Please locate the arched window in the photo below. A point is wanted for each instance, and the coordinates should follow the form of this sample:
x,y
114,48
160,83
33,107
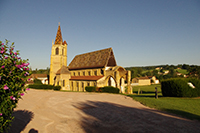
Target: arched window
x,y
57,51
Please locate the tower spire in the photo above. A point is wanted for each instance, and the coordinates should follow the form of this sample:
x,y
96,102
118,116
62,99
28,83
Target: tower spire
x,y
58,39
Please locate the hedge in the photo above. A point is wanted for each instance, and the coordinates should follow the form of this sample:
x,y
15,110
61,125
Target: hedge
x,y
44,86
109,89
90,88
179,87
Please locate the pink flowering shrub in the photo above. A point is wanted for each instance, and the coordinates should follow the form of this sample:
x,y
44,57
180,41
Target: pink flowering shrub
x,y
13,75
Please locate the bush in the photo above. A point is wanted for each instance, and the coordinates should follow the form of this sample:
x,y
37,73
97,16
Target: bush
x,y
37,81
110,89
90,88
180,88
57,88
13,74
44,86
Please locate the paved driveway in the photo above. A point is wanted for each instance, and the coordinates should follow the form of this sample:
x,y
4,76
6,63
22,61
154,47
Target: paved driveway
x,y
76,112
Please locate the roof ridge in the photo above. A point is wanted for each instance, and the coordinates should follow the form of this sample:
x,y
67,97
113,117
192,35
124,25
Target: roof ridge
x,y
94,51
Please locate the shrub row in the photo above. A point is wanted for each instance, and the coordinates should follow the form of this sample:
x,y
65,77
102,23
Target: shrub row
x,y
108,89
44,86
180,88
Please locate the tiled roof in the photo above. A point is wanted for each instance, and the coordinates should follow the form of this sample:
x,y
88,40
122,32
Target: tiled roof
x,y
96,59
58,39
88,78
63,70
38,76
143,78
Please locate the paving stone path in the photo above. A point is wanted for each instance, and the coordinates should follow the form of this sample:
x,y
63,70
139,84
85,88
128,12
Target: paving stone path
x,y
75,112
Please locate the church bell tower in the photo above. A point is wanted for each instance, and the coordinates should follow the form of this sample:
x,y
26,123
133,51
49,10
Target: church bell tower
x,y
58,55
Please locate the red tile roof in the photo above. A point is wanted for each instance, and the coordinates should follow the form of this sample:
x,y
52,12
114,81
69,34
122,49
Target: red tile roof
x,y
93,78
96,59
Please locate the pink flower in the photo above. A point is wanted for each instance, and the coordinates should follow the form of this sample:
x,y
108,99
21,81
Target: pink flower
x,y
15,53
10,53
1,114
28,89
2,44
22,94
2,51
29,79
24,69
12,98
27,69
5,87
2,66
6,57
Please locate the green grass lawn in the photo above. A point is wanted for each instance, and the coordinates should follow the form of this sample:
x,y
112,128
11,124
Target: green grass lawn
x,y
185,107
183,71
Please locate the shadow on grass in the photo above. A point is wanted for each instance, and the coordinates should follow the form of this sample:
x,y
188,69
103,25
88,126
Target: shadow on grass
x,y
115,118
22,118
183,114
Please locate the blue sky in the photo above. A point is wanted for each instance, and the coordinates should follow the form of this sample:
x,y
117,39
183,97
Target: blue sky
x,y
141,32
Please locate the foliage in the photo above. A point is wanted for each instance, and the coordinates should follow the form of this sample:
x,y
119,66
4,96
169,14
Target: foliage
x,y
179,88
57,88
13,75
90,88
37,81
109,89
44,86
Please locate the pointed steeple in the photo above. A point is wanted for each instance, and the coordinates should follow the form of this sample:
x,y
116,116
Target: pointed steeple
x,y
58,39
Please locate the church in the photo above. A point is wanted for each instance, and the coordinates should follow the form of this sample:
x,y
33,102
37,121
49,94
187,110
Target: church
x,y
97,68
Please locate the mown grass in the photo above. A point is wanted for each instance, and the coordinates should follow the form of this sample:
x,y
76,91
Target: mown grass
x,y
183,71
185,107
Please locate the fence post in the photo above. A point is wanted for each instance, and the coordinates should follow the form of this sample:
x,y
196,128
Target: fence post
x,y
156,93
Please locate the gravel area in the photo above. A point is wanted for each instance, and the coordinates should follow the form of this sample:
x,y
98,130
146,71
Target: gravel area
x,y
75,112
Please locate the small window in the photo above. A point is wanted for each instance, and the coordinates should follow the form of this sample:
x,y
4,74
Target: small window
x,y
89,73
95,73
102,71
63,83
88,84
57,83
82,86
77,86
74,74
78,73
62,51
57,51
83,73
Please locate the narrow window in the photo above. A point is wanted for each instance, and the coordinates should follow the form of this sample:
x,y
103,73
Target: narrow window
x,y
63,83
89,73
95,73
78,73
74,74
88,84
82,86
58,83
57,51
83,73
62,51
77,87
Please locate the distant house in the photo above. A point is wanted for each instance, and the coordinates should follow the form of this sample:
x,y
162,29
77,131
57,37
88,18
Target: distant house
x,y
141,81
42,77
153,78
